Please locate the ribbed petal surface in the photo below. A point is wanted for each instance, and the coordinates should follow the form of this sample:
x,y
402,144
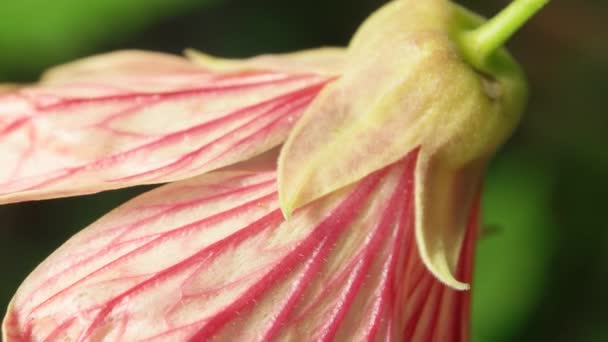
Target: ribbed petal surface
x,y
132,117
212,257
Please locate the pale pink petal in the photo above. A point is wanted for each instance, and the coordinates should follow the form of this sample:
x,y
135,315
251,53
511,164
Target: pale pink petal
x,y
133,117
119,64
213,257
324,60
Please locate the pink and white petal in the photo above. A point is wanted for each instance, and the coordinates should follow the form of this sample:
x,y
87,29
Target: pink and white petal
x,y
133,117
213,257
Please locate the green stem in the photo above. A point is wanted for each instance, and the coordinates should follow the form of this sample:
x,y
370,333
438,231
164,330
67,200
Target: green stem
x,y
481,42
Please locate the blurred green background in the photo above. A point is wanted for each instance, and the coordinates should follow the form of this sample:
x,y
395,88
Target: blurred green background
x,y
542,272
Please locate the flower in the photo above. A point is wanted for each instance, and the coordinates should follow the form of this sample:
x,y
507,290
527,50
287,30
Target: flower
x,y
369,234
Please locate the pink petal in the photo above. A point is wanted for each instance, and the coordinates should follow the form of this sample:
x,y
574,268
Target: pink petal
x,y
129,118
213,257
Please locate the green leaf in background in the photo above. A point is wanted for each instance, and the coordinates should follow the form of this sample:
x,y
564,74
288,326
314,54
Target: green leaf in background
x,y
35,34
512,264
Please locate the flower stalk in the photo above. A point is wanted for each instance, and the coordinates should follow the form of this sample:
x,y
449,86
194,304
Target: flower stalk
x,y
479,44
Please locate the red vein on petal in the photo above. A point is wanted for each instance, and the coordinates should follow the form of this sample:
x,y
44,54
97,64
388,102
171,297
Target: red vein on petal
x,y
311,268
383,299
270,220
296,106
415,304
104,124
187,158
338,219
388,219
129,228
148,244
109,161
176,208
208,293
13,126
386,298
273,218
336,281
435,307
55,334
68,102
26,154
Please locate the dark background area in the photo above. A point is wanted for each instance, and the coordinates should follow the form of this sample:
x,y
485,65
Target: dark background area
x,y
542,275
